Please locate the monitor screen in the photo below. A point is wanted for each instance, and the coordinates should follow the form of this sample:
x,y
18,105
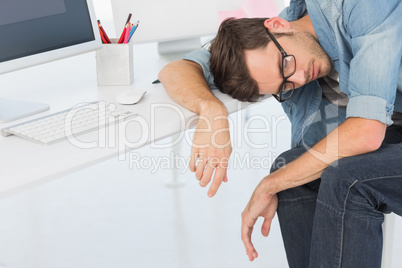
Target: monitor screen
x,y
36,31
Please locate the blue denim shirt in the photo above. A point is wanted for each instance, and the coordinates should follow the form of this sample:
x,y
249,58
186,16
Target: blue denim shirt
x,y
363,40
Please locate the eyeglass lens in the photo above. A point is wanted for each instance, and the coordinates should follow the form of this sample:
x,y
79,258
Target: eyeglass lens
x,y
288,66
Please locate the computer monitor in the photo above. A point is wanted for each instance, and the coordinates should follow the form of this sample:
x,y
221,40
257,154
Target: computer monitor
x,y
177,25
38,31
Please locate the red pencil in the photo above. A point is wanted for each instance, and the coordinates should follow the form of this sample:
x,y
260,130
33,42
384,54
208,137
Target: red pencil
x,y
103,32
123,34
102,37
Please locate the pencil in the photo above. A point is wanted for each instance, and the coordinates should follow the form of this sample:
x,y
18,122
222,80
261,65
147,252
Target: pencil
x,y
128,19
103,32
102,37
123,34
133,29
127,34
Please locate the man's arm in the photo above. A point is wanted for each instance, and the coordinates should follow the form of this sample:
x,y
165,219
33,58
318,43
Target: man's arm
x,y
353,137
185,83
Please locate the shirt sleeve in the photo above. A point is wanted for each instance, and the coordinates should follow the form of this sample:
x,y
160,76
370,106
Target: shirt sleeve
x,y
201,56
374,69
295,10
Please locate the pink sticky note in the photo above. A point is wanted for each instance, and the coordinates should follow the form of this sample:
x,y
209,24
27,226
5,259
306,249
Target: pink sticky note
x,y
224,14
260,8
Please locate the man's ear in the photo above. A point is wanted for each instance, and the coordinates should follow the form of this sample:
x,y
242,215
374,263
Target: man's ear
x,y
277,23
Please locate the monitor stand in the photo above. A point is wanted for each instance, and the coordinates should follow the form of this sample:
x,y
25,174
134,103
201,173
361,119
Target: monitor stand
x,y
14,109
175,50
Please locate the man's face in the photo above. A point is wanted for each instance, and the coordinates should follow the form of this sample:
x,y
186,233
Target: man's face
x,y
265,64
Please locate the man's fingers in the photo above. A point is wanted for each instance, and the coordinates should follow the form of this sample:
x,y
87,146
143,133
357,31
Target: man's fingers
x,y
246,238
225,179
209,170
247,226
220,175
266,226
193,160
199,170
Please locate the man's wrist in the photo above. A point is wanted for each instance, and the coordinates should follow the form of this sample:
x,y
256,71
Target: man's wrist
x,y
213,108
268,188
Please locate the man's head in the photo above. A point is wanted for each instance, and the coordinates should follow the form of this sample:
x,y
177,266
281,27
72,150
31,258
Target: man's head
x,y
245,63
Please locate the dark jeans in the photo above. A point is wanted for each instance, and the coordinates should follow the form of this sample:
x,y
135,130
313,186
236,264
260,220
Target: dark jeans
x,y
336,221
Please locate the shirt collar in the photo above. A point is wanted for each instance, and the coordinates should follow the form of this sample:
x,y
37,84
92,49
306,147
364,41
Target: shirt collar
x,y
321,16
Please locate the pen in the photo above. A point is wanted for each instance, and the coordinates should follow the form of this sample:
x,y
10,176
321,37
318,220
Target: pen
x,y
133,29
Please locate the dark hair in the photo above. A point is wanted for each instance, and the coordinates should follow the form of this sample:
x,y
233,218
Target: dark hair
x,y
227,62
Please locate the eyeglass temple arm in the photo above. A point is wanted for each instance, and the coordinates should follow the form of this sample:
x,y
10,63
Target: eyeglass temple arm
x,y
276,42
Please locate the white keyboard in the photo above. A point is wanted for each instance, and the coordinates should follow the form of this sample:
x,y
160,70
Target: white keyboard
x,y
69,123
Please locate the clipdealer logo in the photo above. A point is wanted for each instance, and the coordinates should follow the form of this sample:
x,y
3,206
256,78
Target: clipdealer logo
x,y
173,161
150,127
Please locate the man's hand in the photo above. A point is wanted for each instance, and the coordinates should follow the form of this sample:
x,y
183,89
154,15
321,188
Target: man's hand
x,y
211,150
353,137
185,83
261,204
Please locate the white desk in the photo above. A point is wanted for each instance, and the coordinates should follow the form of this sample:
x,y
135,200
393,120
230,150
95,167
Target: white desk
x,y
66,83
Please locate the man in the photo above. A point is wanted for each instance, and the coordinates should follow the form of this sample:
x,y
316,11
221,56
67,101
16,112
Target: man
x,y
344,170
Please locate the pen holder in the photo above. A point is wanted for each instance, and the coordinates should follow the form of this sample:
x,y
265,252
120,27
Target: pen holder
x,y
114,64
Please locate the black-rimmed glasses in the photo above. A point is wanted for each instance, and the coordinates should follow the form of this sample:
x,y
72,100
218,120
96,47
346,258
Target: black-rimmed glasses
x,y
288,69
